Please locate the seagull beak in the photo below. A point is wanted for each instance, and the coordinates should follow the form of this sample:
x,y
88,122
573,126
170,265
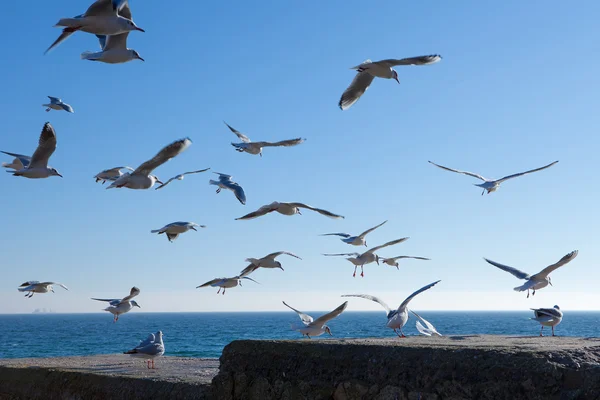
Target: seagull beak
x,y
137,28
396,78
281,268
194,229
57,174
160,182
140,58
550,283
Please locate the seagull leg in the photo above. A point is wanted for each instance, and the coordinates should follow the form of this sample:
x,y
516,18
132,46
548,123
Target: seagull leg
x,y
402,333
527,293
219,190
223,290
354,275
533,294
553,331
48,109
362,272
153,367
542,331
219,291
148,364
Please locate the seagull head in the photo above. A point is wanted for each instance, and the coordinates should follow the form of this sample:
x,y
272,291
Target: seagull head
x,y
328,330
131,26
134,303
54,172
193,226
557,307
298,211
395,76
156,180
136,56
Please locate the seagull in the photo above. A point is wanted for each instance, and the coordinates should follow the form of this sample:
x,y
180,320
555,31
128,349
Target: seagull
x,y
173,229
180,177
396,318
111,174
141,177
103,17
225,182
57,104
32,287
368,70
489,184
355,240
367,257
539,280
18,163
150,348
121,306
547,317
310,327
428,329
37,165
393,261
267,261
286,209
114,50
251,147
226,283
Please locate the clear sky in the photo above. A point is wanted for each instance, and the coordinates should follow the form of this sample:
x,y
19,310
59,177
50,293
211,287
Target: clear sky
x,y
516,89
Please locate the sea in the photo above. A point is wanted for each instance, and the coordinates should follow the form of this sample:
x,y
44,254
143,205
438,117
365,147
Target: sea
x,y
205,334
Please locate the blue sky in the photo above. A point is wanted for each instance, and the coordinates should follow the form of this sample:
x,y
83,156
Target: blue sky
x,y
517,89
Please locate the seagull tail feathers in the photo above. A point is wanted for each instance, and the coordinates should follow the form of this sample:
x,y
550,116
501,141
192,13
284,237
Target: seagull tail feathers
x,y
89,55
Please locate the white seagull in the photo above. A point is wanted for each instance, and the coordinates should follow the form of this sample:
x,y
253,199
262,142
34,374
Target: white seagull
x,y
111,174
267,261
286,209
114,50
141,178
393,261
226,283
359,240
180,177
32,287
103,17
428,329
149,349
225,182
251,147
368,70
317,327
539,280
489,184
37,166
173,229
396,318
57,104
121,306
547,317
367,257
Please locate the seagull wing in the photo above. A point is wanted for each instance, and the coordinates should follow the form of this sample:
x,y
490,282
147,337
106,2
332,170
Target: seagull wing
x,y
425,331
459,172
550,312
122,7
323,319
167,182
286,143
150,339
113,302
525,173
168,152
278,253
102,8
196,172
102,41
116,42
344,254
210,283
150,349
346,235
393,242
357,88
409,298
365,233
260,212
565,260
132,293
248,270
319,210
235,188
239,134
413,257
24,160
54,283
54,100
420,60
66,107
514,271
29,283
46,146
306,319
372,298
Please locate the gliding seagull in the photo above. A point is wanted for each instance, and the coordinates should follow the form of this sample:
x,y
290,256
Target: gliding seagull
x,y
121,306
173,229
225,182
32,287
316,327
251,147
539,280
393,261
57,104
547,317
111,174
180,177
226,283
355,240
267,261
286,209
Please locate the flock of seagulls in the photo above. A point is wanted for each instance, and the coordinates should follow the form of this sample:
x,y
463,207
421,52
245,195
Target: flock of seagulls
x,y
111,22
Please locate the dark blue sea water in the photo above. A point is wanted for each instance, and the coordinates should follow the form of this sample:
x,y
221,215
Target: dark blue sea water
x,y
205,334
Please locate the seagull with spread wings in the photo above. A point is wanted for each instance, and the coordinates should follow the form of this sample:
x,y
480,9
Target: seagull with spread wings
x,y
111,174
396,319
393,261
180,177
57,104
492,185
174,229
428,329
547,317
226,283
369,70
121,306
36,166
286,209
315,327
251,147
369,256
267,261
31,287
225,182
536,281
141,177
359,240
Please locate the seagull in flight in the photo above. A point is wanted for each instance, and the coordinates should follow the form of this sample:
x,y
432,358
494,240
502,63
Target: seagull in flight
x,y
368,70
36,166
359,240
121,306
489,184
251,147
286,209
317,327
547,317
141,177
226,283
111,174
103,17
173,229
428,329
396,319
267,261
367,257
31,287
180,177
57,104
393,261
149,349
225,182
539,280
